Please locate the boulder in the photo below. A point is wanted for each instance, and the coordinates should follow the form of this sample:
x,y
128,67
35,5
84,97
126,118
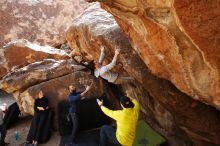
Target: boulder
x,y
53,78
57,90
176,115
20,53
39,21
35,73
178,41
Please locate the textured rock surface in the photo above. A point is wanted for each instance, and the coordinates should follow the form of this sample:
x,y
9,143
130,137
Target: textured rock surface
x,y
59,91
178,41
35,73
31,75
182,120
53,78
42,21
19,53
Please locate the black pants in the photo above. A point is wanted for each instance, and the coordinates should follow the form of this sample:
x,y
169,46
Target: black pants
x,y
39,121
75,129
3,132
108,136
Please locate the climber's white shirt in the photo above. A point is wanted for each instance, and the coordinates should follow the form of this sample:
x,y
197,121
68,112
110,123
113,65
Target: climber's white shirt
x,y
105,71
108,75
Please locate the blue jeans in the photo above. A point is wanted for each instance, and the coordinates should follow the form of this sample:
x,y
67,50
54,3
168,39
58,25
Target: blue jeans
x,y
108,136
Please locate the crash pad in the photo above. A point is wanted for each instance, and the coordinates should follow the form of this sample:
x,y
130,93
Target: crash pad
x,y
146,136
86,138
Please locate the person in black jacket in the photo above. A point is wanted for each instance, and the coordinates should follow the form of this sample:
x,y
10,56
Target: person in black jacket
x,y
40,113
3,130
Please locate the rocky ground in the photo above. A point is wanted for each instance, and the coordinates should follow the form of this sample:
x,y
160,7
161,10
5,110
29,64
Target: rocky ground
x,y
23,127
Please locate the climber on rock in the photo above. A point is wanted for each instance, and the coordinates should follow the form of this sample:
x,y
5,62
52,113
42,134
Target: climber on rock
x,y
105,72
126,120
74,97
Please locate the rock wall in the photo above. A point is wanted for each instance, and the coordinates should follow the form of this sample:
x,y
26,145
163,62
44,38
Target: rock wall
x,y
176,115
170,48
53,77
35,73
20,53
39,21
178,41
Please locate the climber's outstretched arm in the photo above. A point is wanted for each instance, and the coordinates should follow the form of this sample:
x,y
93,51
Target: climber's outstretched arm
x,y
114,60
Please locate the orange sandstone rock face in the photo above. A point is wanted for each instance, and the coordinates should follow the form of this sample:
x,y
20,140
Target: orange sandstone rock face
x,y
21,53
178,40
177,116
39,21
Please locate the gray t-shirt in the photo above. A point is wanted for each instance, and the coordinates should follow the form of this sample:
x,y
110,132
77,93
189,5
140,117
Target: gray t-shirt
x,y
105,71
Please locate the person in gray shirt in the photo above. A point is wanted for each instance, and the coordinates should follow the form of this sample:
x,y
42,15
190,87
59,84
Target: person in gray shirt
x,y
3,130
105,72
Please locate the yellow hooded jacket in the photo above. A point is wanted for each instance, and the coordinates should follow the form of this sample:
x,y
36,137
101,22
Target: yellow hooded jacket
x,y
126,120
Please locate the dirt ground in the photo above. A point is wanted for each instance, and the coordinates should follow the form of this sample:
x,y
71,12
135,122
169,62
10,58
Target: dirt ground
x,y
23,127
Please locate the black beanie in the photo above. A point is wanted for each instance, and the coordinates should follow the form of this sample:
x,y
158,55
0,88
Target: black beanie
x,y
126,102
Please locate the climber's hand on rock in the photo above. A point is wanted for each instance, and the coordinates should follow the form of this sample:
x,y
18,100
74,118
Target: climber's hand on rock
x,y
117,51
102,48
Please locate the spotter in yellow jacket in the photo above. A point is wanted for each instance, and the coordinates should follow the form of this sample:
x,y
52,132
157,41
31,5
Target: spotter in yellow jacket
x,y
126,120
